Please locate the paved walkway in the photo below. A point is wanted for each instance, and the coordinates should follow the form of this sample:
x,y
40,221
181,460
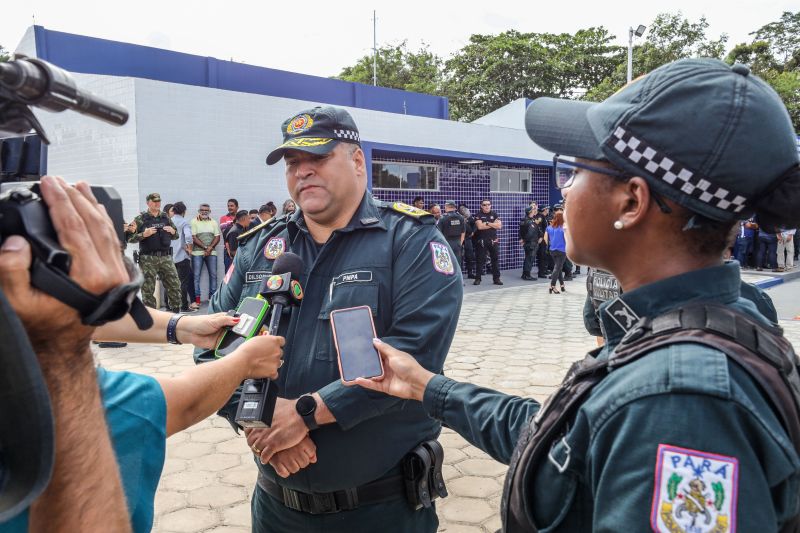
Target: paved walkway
x,y
518,339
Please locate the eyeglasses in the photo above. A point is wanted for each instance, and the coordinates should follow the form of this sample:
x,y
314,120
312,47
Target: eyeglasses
x,y
563,177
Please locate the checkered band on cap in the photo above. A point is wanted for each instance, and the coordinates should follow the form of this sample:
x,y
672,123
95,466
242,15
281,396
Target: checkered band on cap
x,y
674,174
347,134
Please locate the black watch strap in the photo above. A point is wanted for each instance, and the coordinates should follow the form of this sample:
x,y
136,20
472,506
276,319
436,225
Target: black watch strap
x,y
308,415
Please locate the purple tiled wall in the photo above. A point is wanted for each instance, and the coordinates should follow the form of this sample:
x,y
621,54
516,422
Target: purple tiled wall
x,y
470,184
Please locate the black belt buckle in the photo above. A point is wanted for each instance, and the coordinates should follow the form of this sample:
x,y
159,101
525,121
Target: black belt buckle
x,y
321,503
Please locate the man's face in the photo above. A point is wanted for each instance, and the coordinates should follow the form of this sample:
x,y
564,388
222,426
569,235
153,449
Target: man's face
x,y
153,205
325,185
253,217
232,207
486,206
419,204
204,212
243,221
436,211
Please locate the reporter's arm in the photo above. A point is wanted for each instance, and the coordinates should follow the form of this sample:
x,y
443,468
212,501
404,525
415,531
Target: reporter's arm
x,y
202,331
202,390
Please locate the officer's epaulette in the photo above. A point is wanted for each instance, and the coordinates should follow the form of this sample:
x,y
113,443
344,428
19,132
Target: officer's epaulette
x,y
264,225
408,210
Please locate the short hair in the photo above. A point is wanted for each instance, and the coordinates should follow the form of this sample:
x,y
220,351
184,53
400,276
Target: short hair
x,y
242,213
263,209
179,208
234,200
417,199
167,207
253,211
205,205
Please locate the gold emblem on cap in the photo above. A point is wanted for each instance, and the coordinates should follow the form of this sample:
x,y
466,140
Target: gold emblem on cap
x,y
299,124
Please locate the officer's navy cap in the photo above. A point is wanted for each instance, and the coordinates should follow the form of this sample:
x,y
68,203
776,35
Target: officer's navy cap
x,y
710,136
450,202
316,131
528,210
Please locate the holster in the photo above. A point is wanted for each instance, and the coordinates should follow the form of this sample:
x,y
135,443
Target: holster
x,y
422,474
136,256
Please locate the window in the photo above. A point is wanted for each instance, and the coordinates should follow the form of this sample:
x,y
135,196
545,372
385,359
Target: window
x,y
510,180
388,175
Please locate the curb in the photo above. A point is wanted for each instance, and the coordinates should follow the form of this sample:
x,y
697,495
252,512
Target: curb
x,y
768,282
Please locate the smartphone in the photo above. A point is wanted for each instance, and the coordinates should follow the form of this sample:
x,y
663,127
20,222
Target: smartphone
x,y
252,312
353,331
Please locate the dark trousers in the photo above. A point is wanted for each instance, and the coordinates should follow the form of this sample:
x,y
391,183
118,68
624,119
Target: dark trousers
x,y
458,254
742,249
530,248
469,256
767,252
186,276
796,246
568,268
395,516
226,260
558,269
542,258
491,248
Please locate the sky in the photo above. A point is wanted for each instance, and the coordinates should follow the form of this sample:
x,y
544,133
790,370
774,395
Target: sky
x,y
321,38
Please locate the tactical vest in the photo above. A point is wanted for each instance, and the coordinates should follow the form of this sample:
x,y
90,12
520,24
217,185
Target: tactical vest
x,y
160,242
452,226
760,350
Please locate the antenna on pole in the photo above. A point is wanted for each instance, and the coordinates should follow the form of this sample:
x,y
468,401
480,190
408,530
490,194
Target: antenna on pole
x,y
374,48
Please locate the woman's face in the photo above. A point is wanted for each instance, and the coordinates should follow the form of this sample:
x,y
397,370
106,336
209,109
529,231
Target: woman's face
x,y
589,217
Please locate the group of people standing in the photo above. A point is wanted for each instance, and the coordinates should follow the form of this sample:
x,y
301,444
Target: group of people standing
x,y
756,247
175,249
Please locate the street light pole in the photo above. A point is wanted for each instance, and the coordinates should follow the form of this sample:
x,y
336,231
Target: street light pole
x,y
630,54
374,48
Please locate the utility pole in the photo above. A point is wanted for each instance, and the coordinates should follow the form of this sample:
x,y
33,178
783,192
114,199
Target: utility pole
x,y
374,48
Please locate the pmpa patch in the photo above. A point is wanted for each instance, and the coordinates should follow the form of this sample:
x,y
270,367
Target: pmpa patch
x,y
274,247
442,261
694,492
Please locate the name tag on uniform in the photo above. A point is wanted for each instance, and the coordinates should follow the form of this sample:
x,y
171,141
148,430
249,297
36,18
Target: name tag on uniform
x,y
255,276
455,222
352,277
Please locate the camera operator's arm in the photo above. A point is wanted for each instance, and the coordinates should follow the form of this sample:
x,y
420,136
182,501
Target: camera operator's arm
x,y
85,492
202,331
201,391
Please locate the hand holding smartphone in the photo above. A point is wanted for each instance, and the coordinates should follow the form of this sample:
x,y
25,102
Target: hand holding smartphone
x,y
353,331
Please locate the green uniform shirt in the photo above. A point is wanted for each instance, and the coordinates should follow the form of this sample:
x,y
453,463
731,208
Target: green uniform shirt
x,y
399,265
682,434
137,236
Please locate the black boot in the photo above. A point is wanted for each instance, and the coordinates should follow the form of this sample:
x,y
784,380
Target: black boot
x,y
477,281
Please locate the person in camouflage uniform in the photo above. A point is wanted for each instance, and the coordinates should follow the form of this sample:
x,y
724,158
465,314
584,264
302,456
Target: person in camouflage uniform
x,y
154,232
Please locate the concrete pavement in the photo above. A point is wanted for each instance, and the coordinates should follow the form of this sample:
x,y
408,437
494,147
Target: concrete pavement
x,y
518,339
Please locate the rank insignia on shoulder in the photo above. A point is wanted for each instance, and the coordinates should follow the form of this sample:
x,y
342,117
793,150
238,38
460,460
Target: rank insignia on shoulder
x,y
274,247
253,230
442,261
409,210
694,491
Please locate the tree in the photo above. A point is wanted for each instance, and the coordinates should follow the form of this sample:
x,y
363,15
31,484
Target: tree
x,y
783,36
493,70
4,55
399,68
669,37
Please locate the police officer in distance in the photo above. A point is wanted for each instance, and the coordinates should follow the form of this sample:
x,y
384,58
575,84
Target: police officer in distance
x,y
487,224
469,240
694,429
543,258
356,251
453,227
530,236
154,231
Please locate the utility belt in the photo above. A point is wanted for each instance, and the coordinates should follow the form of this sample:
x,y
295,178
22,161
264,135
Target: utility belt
x,y
157,253
420,483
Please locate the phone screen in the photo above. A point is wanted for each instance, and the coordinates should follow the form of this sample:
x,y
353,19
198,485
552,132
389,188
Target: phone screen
x,y
353,332
251,313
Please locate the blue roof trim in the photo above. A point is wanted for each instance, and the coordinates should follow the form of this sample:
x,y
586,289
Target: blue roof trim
x,y
90,55
452,154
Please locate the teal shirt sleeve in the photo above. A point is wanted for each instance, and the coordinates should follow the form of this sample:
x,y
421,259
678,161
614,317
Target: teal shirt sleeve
x,y
136,415
486,418
425,309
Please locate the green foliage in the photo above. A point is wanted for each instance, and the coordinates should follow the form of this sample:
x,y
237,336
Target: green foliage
x,y
4,55
399,68
669,37
719,494
783,36
492,70
672,485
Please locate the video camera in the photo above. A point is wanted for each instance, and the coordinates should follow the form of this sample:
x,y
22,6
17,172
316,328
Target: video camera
x,y
26,424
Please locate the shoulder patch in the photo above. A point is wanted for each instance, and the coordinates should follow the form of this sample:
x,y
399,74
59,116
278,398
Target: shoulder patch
x,y
694,491
409,210
274,247
442,260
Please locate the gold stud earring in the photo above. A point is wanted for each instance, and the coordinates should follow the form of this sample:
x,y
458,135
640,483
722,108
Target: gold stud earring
x,y
619,224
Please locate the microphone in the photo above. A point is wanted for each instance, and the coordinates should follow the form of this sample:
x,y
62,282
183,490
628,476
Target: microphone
x,y
39,83
281,289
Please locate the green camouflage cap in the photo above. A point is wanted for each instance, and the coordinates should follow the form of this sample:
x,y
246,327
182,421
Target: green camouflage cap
x,y
709,136
316,131
154,197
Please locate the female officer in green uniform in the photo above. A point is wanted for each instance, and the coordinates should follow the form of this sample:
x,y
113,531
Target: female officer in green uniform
x,y
682,438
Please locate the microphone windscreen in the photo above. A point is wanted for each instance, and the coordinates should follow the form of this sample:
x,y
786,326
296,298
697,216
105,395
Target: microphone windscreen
x,y
288,262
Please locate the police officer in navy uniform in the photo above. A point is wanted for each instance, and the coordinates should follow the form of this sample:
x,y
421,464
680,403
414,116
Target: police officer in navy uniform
x,y
357,251
686,420
530,237
453,227
487,224
543,257
469,240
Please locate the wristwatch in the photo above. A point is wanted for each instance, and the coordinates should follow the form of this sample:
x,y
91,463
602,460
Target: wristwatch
x,y
306,407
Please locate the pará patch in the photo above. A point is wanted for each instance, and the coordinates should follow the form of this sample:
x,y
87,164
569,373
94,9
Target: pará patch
x,y
409,210
274,247
694,491
442,261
